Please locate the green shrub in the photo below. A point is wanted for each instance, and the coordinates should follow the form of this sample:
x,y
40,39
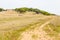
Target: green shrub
x,y
1,9
24,9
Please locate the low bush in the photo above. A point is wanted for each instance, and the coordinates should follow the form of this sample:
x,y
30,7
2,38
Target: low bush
x,y
1,9
24,9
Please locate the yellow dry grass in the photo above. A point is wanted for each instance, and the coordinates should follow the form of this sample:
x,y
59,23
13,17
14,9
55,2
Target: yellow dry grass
x,y
15,26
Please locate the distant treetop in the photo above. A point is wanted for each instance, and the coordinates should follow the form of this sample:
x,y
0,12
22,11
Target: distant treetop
x,y
1,9
24,9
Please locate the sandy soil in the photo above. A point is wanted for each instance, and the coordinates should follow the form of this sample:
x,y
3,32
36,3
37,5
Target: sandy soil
x,y
36,34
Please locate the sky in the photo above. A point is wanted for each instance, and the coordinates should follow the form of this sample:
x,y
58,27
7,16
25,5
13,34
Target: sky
x,y
52,6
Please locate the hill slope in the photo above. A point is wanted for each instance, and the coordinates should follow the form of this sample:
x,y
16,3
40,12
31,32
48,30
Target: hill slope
x,y
29,27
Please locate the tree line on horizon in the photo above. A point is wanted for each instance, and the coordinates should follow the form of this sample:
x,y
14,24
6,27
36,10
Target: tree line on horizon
x,y
24,9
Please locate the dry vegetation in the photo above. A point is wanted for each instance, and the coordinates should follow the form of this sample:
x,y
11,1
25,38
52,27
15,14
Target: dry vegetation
x,y
15,26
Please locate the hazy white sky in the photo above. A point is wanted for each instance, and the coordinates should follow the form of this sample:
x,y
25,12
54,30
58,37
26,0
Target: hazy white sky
x,y
52,6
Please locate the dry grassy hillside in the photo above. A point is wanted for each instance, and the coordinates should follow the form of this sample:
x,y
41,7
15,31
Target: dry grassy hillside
x,y
15,26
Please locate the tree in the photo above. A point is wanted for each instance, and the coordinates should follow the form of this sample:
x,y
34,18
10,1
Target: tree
x,y
24,9
1,9
37,11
